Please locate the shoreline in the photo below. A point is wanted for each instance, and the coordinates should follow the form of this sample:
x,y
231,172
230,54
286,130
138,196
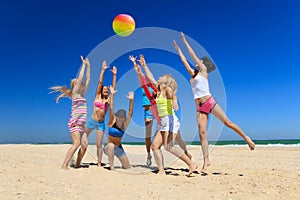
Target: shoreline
x,y
188,145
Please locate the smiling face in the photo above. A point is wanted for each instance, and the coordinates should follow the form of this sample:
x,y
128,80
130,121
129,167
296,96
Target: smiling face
x,y
105,91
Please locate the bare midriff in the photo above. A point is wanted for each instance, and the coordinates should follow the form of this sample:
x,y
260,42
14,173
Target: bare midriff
x,y
98,114
115,140
202,99
147,107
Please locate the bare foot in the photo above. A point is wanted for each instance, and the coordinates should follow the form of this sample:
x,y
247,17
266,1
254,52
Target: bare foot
x,y
192,168
112,168
250,143
161,172
65,167
204,167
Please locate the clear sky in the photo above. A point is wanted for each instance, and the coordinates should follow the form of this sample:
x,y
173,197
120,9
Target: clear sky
x,y
255,45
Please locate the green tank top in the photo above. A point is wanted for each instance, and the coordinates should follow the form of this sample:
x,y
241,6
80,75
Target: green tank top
x,y
164,106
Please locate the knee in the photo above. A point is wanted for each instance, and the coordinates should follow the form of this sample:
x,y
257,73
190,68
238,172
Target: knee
x,y
110,147
99,145
126,165
84,145
155,147
76,145
202,134
228,123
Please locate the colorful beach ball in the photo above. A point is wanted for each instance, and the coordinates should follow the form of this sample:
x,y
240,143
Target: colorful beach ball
x,y
123,25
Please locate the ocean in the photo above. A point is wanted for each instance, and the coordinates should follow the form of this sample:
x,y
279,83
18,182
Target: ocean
x,y
282,142
290,142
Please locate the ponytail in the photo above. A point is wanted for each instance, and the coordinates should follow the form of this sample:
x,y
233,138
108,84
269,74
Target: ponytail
x,y
65,92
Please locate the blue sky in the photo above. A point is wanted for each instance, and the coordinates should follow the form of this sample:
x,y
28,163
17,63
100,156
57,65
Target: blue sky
x,y
255,45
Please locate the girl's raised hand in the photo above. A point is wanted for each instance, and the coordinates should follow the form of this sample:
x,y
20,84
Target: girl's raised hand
x,y
142,60
114,70
130,95
112,90
104,66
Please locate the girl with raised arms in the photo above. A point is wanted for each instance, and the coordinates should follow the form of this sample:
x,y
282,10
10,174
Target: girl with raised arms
x,y
118,123
205,103
164,97
78,115
96,121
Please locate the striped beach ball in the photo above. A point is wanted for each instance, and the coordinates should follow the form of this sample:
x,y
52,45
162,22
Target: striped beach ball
x,y
123,25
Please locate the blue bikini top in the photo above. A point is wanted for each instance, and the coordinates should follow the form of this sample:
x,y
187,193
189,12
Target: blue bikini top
x,y
115,131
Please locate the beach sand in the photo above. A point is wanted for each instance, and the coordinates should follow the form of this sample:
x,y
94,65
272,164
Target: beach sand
x,y
33,172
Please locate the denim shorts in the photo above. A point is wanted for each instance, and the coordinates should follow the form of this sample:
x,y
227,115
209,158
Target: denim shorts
x,y
93,124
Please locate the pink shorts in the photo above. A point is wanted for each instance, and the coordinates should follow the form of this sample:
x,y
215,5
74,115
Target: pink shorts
x,y
207,106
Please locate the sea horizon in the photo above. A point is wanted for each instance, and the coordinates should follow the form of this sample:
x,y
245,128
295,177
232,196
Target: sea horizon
x,y
273,142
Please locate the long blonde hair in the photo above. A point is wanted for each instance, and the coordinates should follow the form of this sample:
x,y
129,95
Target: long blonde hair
x,y
64,90
170,81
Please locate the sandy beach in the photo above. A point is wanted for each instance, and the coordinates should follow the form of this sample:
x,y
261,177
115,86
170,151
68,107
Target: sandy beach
x,y
33,172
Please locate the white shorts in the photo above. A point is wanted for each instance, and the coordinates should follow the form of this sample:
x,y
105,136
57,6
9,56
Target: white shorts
x,y
169,123
174,123
165,124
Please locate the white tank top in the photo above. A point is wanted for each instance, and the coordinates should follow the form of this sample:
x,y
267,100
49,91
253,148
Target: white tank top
x,y
200,87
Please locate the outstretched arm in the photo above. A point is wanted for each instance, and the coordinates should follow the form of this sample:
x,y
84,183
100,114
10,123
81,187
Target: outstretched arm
x,y
183,59
136,67
147,70
78,84
193,55
111,111
104,67
87,75
130,96
114,79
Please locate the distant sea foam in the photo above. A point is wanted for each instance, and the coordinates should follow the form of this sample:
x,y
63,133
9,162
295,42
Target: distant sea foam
x,y
229,143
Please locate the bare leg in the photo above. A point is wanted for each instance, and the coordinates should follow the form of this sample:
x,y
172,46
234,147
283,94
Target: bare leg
x,y
125,162
76,137
179,153
182,145
202,119
156,144
148,125
109,149
82,150
99,138
83,147
219,113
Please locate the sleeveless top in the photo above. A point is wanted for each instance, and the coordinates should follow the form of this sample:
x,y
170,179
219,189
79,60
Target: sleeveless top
x,y
164,106
200,87
146,101
115,131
